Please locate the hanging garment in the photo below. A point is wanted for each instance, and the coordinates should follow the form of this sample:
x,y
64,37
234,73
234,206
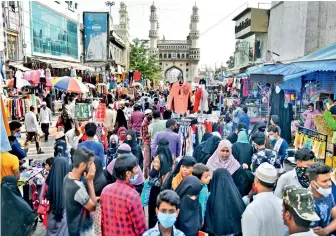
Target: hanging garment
x,y
198,97
137,76
180,98
286,116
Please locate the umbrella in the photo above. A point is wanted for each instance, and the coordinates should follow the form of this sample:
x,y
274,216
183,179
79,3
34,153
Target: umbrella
x,y
20,83
72,85
55,80
90,85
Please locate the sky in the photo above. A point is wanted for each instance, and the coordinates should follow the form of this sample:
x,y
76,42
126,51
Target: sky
x,y
217,41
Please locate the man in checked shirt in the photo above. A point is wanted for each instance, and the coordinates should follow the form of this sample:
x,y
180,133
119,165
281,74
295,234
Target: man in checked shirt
x,y
122,213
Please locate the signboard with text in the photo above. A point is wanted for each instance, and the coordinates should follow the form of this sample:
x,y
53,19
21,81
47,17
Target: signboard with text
x,y
82,111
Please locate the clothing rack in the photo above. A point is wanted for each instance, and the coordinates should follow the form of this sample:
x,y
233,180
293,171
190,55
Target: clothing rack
x,y
317,136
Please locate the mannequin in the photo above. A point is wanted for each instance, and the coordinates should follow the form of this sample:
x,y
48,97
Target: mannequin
x,y
180,97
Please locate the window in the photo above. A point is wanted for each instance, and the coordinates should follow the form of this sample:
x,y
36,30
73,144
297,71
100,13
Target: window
x,y
178,55
187,70
187,63
169,55
182,55
160,56
53,34
165,56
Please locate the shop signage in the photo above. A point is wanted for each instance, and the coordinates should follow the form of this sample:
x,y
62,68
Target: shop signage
x,y
96,27
82,111
101,112
243,25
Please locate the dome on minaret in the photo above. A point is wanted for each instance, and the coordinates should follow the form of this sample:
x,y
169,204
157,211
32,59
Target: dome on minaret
x,y
153,7
195,7
122,4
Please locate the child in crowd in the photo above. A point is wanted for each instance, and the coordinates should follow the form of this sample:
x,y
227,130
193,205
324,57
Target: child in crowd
x,y
202,172
47,166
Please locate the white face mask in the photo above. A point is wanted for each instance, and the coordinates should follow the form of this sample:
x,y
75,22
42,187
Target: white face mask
x,y
323,191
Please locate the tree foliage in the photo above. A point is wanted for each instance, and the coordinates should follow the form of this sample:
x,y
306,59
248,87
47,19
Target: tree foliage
x,y
231,62
143,61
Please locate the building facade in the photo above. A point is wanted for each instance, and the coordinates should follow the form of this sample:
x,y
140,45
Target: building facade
x,y
181,55
52,30
251,27
298,28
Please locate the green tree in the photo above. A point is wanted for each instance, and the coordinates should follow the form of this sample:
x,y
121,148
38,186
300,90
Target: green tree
x,y
143,61
231,62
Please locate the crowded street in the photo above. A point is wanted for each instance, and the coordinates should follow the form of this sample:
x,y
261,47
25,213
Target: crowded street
x,y
129,118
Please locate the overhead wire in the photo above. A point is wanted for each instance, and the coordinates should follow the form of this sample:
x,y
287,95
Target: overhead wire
x,y
210,28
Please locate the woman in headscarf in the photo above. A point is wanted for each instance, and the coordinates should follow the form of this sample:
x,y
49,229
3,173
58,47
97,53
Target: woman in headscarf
x,y
259,127
99,183
17,217
198,149
183,169
161,167
242,150
223,158
120,120
57,224
112,150
131,140
67,120
208,149
189,220
122,134
224,206
137,181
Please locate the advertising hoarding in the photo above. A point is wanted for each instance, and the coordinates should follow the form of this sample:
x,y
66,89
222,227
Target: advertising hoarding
x,y
96,27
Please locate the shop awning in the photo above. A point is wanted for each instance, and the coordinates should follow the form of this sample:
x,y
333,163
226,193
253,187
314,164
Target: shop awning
x,y
18,66
64,65
326,53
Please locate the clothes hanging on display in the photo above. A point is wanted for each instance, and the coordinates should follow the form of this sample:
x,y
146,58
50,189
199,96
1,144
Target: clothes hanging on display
x,y
286,117
180,98
137,76
276,100
17,107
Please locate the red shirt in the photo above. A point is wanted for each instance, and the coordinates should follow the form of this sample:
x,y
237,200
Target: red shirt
x,y
122,213
144,132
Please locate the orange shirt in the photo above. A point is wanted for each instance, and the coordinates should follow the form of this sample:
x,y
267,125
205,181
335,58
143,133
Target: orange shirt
x,y
9,163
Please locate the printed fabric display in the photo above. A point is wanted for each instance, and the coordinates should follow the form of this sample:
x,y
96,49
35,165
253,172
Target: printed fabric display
x,y
82,111
316,145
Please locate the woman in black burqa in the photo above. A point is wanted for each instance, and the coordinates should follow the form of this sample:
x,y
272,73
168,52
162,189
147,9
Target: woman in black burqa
x,y
198,149
131,140
162,166
120,121
224,206
57,224
17,217
207,150
189,220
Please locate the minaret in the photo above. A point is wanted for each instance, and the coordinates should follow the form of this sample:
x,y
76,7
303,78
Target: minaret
x,y
123,15
194,37
153,32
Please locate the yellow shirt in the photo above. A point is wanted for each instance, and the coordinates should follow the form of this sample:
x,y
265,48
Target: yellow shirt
x,y
9,163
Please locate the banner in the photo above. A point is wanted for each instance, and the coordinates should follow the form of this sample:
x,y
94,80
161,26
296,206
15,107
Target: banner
x,y
95,35
101,112
82,111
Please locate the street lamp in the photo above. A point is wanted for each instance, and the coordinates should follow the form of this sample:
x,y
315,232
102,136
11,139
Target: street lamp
x,y
110,4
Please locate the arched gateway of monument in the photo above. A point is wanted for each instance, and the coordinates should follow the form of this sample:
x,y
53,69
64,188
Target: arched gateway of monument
x,y
176,55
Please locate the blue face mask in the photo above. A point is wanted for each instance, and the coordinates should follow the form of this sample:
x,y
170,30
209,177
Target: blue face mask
x,y
271,137
17,135
133,179
166,220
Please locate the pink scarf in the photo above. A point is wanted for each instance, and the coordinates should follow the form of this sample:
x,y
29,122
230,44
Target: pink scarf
x,y
215,161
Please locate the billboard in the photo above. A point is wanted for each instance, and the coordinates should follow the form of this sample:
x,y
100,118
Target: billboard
x,y
96,36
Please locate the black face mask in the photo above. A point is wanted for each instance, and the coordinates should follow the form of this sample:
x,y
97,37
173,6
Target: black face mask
x,y
176,130
113,145
154,173
149,118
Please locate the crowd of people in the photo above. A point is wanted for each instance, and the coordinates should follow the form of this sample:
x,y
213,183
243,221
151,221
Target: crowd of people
x,y
141,185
